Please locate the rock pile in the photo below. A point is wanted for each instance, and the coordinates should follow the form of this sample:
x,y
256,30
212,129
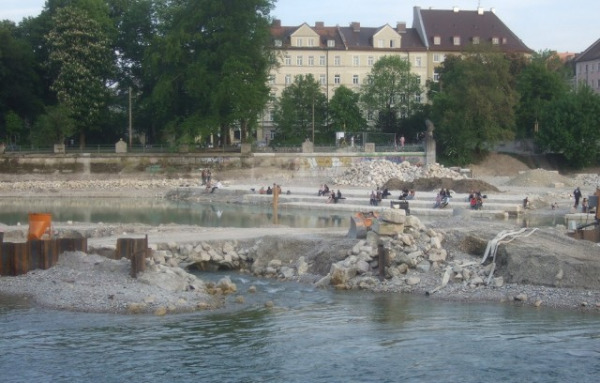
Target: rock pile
x,y
94,184
588,180
378,172
540,178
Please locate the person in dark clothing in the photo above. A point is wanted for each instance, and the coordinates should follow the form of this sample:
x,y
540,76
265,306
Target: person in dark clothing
x,y
577,197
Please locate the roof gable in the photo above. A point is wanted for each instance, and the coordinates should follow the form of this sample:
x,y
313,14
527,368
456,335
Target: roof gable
x,y
592,53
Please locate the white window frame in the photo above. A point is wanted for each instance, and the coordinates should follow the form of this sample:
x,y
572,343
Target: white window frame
x,y
322,60
331,43
298,60
323,79
437,40
456,40
355,80
311,60
288,79
337,61
418,62
337,79
495,41
356,60
311,42
287,60
299,41
370,60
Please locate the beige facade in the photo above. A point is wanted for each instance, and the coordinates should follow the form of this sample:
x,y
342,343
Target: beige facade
x,y
587,67
337,56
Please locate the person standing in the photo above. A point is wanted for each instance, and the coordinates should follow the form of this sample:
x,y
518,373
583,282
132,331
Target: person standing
x,y
402,140
577,197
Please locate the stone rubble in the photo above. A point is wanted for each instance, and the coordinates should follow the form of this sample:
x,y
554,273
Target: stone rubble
x,y
377,172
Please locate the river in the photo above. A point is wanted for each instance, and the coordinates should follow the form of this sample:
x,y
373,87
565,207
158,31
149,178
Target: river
x,y
309,335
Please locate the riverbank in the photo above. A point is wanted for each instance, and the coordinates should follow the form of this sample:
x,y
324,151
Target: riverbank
x,y
553,277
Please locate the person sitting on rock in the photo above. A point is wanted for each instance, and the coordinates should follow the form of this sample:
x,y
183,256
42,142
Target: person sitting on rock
x,y
385,193
403,194
373,201
269,190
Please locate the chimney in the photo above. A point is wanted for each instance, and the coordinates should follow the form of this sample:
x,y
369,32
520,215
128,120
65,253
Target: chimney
x,y
455,9
276,23
480,11
401,26
493,10
355,26
319,24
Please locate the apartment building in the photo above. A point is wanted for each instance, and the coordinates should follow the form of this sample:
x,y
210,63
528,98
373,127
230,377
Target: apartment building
x,y
344,55
587,67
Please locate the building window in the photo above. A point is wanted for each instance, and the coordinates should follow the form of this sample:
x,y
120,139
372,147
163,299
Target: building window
x,y
269,115
456,40
288,60
504,41
323,79
278,43
337,79
299,42
476,40
355,79
495,40
299,60
288,79
311,60
392,44
380,43
370,115
436,77
437,58
417,61
311,42
437,40
418,79
331,43
370,60
418,97
337,61
322,60
272,79
356,60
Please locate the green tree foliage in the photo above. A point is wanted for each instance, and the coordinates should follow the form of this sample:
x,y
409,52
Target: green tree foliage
x,y
53,126
570,125
540,81
301,107
474,108
80,52
19,93
211,66
390,91
344,111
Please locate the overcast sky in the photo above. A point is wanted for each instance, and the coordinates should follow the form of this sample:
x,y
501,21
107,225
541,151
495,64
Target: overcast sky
x,y
564,26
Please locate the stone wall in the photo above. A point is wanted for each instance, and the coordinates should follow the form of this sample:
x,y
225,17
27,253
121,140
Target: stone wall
x,y
86,163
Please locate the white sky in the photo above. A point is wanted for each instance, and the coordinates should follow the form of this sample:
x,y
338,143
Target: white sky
x,y
564,26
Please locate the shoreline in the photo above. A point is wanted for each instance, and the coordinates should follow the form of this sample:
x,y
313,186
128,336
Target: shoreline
x,y
528,295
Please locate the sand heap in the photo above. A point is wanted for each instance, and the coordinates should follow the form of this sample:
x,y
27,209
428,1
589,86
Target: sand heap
x,y
378,172
540,178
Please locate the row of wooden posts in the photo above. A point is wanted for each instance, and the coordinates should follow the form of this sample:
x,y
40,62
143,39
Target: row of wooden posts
x,y
21,257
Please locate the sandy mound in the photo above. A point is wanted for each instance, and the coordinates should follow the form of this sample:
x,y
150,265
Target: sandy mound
x,y
539,178
498,165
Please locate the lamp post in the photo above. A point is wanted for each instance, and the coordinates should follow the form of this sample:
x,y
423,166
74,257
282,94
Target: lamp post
x,y
313,120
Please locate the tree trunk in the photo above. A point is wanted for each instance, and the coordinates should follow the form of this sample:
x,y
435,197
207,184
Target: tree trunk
x,y
82,140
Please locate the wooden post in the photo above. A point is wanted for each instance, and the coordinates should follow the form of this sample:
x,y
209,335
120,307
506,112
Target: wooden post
x,y
275,203
382,260
136,250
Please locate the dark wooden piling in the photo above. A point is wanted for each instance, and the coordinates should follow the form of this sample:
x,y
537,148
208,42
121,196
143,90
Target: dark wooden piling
x,y
134,249
381,251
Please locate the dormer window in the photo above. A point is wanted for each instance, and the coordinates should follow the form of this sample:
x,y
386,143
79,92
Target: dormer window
x,y
476,40
331,43
495,41
456,40
437,40
311,42
504,41
278,43
299,42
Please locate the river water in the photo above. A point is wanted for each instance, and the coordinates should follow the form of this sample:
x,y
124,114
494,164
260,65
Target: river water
x,y
309,335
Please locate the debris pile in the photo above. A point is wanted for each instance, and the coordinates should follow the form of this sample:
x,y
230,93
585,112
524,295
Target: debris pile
x,y
378,172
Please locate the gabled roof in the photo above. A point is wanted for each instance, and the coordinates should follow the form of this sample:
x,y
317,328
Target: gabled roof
x,y
592,53
352,37
467,25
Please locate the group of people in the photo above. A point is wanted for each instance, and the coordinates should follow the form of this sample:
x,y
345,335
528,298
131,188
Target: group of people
x,y
585,206
270,190
476,200
335,197
406,195
442,199
377,195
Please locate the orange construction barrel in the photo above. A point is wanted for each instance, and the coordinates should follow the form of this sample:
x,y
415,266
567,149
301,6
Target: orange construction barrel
x,y
39,223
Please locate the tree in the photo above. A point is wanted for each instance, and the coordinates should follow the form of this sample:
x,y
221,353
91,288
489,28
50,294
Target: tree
x,y
20,99
475,107
344,112
211,66
570,125
55,125
391,90
539,82
301,111
80,51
